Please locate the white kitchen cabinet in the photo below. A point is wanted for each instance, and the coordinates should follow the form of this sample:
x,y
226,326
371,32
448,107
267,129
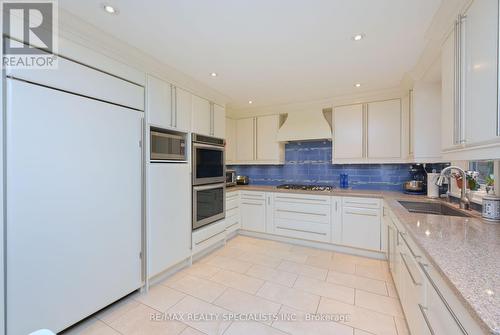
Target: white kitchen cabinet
x,y
448,92
245,140
481,58
361,222
384,129
253,211
348,133
475,125
169,215
256,141
336,207
425,111
370,132
233,217
168,106
303,216
202,116
230,141
183,109
268,148
218,121
208,118
159,102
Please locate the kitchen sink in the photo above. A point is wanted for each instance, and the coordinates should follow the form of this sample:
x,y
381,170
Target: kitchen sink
x,y
432,208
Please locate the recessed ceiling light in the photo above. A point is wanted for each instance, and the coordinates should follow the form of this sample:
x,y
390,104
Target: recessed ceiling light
x,y
357,85
213,74
250,102
110,9
358,37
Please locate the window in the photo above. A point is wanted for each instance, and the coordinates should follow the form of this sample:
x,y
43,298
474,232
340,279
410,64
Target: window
x,y
485,171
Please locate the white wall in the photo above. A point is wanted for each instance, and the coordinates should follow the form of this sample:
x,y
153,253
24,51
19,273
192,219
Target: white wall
x,y
318,105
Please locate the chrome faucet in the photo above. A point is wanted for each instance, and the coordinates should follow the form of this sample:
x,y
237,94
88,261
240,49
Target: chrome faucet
x,y
464,201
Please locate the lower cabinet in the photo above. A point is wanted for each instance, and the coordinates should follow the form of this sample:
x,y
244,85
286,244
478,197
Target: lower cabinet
x,y
429,305
302,216
233,217
169,215
361,223
253,211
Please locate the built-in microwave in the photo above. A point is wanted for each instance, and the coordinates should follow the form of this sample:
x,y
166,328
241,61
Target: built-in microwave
x,y
208,160
167,145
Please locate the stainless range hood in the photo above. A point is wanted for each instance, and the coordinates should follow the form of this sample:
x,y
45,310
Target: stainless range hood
x,y
306,126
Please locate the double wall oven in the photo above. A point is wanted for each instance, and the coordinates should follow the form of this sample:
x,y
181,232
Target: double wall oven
x,y
209,177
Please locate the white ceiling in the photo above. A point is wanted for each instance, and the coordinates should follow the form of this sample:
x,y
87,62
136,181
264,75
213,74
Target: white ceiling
x,y
273,51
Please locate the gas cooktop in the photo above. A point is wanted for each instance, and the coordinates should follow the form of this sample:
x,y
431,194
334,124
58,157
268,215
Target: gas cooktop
x,y
306,187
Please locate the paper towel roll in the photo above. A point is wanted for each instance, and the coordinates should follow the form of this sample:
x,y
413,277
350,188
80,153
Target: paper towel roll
x,y
432,188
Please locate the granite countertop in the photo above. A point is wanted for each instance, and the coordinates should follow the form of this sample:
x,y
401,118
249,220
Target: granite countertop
x,y
465,251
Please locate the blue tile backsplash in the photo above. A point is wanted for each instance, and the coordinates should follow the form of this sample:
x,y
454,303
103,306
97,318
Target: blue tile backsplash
x,y
311,163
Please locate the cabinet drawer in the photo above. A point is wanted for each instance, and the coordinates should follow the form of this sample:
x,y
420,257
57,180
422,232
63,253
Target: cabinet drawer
x,y
230,195
302,198
361,202
230,221
302,229
247,195
232,204
232,212
301,212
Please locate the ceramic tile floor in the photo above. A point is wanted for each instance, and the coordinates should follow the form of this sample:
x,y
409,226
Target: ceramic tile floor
x,y
252,277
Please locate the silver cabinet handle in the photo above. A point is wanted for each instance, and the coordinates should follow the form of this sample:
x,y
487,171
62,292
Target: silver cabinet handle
x,y
362,203
455,318
409,248
300,230
426,319
364,214
301,199
172,107
251,203
299,212
408,269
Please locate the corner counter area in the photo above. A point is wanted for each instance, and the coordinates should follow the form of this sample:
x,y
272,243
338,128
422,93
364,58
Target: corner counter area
x,y
445,268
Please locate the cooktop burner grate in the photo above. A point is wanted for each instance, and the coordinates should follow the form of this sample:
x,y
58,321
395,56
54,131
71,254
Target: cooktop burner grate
x,y
306,187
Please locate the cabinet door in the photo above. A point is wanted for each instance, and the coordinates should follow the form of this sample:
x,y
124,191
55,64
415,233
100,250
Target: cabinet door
x,y
480,87
159,102
202,116
245,140
230,140
169,212
183,109
361,228
384,129
348,131
219,121
253,211
448,92
268,148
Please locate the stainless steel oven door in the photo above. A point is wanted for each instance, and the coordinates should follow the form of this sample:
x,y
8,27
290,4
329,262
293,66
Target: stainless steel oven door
x,y
208,164
168,146
209,204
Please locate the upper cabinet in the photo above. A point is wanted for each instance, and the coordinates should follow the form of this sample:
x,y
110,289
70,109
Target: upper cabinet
x,y
202,116
256,141
348,132
208,118
471,120
230,141
159,102
218,121
425,122
383,125
370,132
167,105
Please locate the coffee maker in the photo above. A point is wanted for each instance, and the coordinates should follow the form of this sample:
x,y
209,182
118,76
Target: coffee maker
x,y
417,184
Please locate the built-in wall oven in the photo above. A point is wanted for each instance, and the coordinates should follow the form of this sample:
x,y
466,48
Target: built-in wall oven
x,y
209,202
209,180
208,160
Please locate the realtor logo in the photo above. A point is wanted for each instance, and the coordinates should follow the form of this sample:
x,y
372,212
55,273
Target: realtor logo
x,y
30,28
